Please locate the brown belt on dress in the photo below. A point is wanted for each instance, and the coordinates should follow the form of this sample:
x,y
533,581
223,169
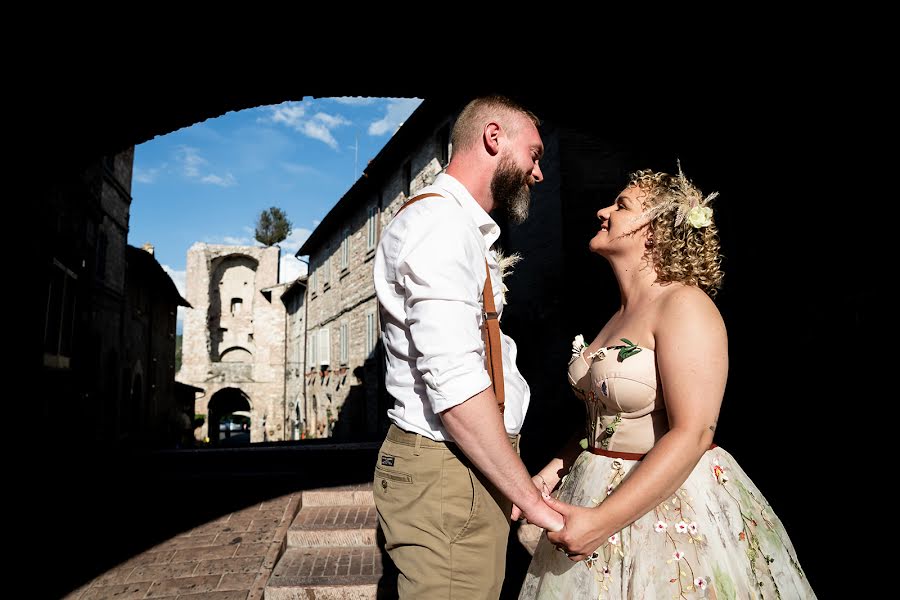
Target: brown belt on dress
x,y
624,455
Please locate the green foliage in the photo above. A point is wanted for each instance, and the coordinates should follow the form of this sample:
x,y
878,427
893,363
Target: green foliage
x,y
272,226
630,350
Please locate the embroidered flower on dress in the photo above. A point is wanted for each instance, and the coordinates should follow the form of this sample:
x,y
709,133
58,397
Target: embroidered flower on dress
x,y
719,472
614,539
678,555
598,354
660,526
578,345
629,350
609,490
700,582
681,527
693,528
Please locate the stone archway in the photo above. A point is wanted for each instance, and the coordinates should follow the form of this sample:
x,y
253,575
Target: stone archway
x,y
229,416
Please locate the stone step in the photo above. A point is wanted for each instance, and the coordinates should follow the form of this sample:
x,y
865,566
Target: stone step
x,y
348,525
340,495
331,573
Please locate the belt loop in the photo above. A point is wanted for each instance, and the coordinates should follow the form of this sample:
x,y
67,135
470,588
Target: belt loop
x,y
418,444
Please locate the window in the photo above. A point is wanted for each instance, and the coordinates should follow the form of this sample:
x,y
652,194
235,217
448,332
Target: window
x,y
324,346
326,273
345,343
236,305
311,353
407,178
372,228
371,332
102,244
59,321
345,250
312,283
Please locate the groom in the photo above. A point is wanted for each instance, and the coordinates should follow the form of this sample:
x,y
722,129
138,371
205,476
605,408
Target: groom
x,y
448,471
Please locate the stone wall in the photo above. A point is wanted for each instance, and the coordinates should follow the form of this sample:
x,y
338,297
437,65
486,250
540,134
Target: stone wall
x,y
343,398
234,336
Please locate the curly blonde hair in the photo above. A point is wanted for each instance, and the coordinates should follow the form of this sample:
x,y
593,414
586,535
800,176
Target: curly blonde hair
x,y
680,252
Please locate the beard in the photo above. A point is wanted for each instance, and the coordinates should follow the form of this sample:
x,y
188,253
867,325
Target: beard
x,y
509,188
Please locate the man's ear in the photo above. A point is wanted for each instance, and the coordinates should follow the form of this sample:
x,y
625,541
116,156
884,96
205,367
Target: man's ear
x,y
491,136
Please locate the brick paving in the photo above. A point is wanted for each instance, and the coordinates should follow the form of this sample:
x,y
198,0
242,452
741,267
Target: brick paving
x,y
229,558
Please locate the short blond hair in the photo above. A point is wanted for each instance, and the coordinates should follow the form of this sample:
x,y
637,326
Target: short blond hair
x,y
470,123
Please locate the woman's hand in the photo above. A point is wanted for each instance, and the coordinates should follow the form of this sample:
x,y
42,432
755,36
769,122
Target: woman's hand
x,y
582,534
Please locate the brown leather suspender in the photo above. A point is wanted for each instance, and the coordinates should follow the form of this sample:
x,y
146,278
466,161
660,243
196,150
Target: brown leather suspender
x,y
490,330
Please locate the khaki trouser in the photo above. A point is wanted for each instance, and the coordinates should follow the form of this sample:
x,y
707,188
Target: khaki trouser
x,y
444,523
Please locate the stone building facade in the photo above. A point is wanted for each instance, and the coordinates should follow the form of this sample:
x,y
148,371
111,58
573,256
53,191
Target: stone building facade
x,y
151,413
294,300
108,317
234,338
344,384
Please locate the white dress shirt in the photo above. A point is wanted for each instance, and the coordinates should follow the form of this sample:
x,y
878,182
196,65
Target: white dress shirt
x,y
429,277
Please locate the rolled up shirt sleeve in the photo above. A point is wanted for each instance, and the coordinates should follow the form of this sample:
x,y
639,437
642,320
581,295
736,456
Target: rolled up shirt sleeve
x,y
442,272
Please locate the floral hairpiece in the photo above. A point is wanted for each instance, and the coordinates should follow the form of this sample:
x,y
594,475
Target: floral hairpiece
x,y
688,203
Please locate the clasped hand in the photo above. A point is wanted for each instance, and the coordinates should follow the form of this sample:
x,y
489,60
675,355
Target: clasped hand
x,y
581,535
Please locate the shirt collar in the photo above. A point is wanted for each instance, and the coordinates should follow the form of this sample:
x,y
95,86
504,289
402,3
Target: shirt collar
x,y
486,225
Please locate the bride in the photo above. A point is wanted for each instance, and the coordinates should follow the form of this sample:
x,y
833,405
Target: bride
x,y
653,508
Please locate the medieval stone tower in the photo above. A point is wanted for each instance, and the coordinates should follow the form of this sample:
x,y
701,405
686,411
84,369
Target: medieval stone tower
x,y
233,345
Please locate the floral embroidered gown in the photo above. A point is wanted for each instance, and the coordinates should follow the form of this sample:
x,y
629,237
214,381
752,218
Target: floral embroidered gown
x,y
715,537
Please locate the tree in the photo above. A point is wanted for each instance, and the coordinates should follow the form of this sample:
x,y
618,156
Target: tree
x,y
272,226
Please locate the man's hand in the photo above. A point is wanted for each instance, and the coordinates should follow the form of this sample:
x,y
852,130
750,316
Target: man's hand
x,y
541,485
542,515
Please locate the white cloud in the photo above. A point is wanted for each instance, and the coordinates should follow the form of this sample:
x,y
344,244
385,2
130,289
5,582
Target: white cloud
x,y
330,121
145,175
298,169
289,113
396,112
317,127
238,241
290,268
190,160
318,131
293,242
354,100
191,163
227,181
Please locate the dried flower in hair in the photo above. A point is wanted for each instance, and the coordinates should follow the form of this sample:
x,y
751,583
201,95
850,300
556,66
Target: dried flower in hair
x,y
700,216
687,202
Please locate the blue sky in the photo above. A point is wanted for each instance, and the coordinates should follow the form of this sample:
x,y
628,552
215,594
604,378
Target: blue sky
x,y
209,182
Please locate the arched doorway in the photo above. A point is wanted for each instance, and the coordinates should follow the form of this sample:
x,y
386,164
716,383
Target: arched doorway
x,y
229,418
